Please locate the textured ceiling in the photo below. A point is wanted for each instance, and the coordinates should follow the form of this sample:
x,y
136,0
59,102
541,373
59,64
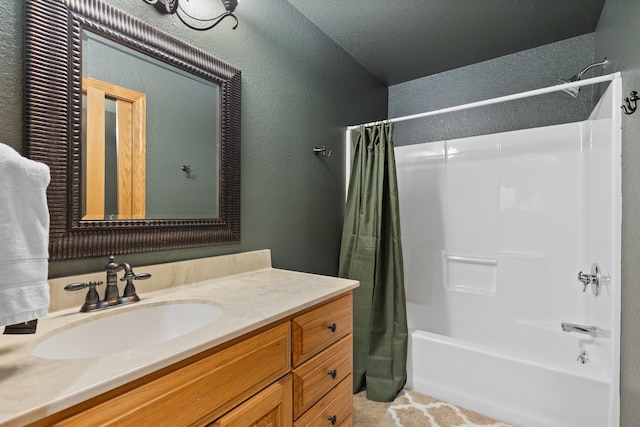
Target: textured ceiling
x,y
403,40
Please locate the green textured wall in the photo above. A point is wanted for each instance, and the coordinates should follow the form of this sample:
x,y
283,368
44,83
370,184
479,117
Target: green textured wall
x,y
617,37
11,106
519,72
299,90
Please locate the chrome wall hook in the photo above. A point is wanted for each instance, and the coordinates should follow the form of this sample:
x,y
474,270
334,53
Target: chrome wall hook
x,y
322,151
631,102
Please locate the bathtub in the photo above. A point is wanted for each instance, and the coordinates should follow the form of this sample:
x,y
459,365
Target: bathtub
x,y
495,229
523,391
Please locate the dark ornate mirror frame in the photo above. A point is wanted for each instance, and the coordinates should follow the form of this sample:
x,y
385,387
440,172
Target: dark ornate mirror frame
x,y
53,41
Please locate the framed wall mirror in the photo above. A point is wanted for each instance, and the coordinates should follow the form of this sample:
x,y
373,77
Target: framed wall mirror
x,y
141,132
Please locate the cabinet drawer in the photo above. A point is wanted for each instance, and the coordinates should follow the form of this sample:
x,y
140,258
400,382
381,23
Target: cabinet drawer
x,y
209,387
318,329
316,377
333,409
270,407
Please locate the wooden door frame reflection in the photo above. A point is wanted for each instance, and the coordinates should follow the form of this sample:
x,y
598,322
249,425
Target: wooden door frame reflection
x,y
131,111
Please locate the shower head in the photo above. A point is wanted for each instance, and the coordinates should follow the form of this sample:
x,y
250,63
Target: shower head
x,y
574,91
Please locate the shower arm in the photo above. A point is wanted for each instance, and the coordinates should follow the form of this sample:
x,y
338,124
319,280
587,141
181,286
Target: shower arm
x,y
603,64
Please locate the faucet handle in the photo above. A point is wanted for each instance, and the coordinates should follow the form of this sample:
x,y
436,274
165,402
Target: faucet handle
x,y
596,279
132,276
129,293
585,279
92,300
78,286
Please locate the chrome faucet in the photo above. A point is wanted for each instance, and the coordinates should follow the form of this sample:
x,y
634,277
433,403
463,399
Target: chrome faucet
x,y
111,294
572,327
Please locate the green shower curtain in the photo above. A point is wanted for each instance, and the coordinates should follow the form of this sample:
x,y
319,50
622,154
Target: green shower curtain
x,y
371,252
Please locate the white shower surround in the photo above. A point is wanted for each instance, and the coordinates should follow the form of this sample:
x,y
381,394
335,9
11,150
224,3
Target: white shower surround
x,y
495,229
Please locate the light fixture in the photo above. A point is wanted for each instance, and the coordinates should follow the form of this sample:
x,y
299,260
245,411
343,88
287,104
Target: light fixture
x,y
187,16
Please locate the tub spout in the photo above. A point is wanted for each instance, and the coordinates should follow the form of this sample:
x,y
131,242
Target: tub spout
x,y
572,327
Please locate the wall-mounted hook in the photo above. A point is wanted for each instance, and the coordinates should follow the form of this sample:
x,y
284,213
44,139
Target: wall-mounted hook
x,y
631,102
187,169
322,151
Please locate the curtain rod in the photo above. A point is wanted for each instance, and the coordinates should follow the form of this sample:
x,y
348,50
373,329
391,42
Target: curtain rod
x,y
555,88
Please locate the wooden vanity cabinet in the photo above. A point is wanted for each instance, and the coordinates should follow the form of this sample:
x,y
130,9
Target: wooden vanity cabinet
x,y
322,365
248,382
195,392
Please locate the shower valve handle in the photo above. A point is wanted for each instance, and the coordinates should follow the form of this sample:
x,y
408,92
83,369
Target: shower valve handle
x,y
596,279
585,279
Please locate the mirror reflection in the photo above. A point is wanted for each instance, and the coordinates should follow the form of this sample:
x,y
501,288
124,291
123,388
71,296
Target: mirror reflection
x,y
150,137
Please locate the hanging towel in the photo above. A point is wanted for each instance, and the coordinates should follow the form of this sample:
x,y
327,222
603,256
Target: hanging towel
x,y
24,238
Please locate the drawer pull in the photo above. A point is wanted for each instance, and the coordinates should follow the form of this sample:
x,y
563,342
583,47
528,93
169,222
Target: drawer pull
x,y
333,373
332,326
333,419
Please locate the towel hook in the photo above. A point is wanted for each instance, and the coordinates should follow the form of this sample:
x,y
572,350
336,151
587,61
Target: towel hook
x,y
631,102
322,151
187,169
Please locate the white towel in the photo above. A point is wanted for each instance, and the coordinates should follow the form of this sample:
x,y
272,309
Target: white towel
x,y
24,238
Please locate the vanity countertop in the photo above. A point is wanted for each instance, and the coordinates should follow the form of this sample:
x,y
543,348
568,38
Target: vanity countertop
x,y
33,388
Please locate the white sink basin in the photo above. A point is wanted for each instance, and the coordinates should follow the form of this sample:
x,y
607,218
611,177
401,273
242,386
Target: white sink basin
x,y
126,330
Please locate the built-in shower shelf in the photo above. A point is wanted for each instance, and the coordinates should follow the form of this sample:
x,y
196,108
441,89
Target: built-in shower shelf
x,y
472,274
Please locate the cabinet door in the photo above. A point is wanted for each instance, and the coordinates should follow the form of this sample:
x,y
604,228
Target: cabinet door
x,y
272,407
